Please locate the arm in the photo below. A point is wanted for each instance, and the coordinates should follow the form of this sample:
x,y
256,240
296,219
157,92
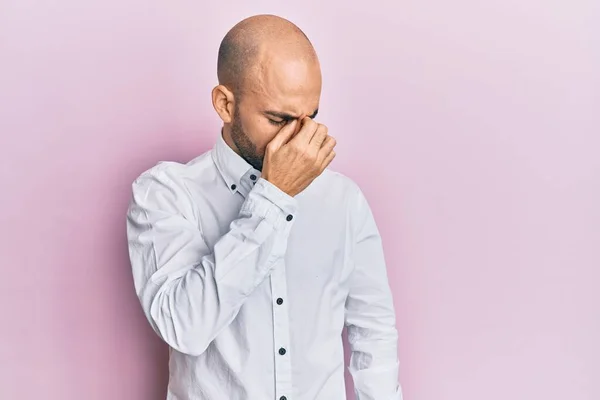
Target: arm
x,y
188,291
370,317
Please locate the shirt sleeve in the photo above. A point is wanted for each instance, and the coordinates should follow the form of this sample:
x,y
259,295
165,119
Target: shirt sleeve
x,y
370,317
188,291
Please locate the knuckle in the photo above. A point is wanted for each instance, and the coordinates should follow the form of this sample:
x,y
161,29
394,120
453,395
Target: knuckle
x,y
306,156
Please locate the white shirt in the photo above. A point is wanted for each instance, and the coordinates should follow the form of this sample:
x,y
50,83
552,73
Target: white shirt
x,y
251,287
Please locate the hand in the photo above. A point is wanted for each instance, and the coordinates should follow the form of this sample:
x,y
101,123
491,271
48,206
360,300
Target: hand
x,y
291,161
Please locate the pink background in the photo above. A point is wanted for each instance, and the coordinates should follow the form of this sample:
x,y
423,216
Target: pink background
x,y
473,127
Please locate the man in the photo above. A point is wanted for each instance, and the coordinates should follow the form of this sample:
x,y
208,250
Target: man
x,y
250,259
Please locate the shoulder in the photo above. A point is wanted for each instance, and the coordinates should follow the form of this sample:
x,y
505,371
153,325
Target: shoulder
x,y
343,193
335,183
337,194
165,185
172,174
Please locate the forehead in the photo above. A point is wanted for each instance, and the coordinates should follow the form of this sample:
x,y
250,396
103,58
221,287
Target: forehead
x,y
286,84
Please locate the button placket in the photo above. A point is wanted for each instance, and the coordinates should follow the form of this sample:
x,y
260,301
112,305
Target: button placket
x,y
281,334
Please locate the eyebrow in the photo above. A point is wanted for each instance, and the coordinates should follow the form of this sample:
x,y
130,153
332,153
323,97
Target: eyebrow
x,y
289,117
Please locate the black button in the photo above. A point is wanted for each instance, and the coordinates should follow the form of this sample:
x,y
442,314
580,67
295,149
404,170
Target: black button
x,y
283,398
280,301
233,186
253,177
289,217
282,351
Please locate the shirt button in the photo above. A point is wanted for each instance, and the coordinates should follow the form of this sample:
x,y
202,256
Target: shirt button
x,y
253,177
289,217
233,186
283,398
282,351
280,301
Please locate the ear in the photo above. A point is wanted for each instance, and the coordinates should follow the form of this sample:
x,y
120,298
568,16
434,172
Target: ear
x,y
223,102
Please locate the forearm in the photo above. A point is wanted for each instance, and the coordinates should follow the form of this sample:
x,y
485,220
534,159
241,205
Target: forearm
x,y
189,292
189,311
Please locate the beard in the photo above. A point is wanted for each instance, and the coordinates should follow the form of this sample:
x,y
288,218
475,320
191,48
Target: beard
x,y
247,149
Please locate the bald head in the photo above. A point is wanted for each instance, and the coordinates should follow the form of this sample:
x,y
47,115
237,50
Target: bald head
x,y
252,41
269,75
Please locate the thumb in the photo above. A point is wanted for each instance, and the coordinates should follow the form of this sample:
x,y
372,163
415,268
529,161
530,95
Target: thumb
x,y
284,135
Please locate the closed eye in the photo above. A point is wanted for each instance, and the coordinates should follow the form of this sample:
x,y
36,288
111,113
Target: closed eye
x,y
277,123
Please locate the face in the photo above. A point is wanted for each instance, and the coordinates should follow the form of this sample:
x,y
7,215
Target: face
x,y
285,91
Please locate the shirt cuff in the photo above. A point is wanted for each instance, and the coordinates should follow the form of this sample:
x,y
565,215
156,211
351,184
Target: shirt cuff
x,y
267,201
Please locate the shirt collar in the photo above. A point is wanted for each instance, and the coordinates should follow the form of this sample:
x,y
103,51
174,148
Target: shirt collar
x,y
229,163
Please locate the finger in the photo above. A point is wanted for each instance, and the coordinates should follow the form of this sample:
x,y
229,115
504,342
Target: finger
x,y
283,136
309,127
298,125
328,145
319,136
327,160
